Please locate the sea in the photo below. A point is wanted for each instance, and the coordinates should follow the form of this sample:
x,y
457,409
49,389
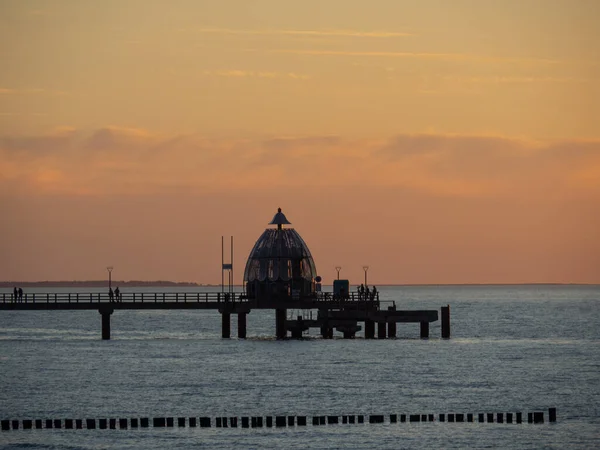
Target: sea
x,y
519,348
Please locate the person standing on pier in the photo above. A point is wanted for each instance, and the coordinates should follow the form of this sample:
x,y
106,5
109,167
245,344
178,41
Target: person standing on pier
x,y
15,294
117,294
20,295
111,295
374,294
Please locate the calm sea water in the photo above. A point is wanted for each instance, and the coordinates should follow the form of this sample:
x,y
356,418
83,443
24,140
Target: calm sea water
x,y
514,348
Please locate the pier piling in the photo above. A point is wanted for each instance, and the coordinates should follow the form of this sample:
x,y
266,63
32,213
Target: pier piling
x,y
446,322
280,331
424,330
105,311
225,325
391,329
381,330
369,329
242,325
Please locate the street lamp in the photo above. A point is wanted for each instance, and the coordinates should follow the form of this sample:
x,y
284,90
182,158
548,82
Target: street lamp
x,y
366,268
338,268
110,269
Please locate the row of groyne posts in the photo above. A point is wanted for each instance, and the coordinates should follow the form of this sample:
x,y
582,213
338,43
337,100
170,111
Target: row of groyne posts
x,y
536,417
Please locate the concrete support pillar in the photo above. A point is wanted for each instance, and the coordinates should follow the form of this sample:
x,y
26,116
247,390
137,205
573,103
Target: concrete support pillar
x,y
369,329
349,335
392,329
225,325
106,312
381,330
297,333
297,329
446,322
242,325
424,330
280,331
326,331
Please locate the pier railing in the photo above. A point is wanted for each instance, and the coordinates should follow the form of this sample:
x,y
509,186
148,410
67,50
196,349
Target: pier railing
x,y
129,297
182,297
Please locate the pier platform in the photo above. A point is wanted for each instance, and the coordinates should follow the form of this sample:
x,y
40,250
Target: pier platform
x,y
333,312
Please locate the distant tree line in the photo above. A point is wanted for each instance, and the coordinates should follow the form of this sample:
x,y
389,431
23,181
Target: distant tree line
x,y
94,283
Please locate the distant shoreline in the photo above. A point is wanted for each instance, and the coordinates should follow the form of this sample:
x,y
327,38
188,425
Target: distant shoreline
x,y
96,283
160,283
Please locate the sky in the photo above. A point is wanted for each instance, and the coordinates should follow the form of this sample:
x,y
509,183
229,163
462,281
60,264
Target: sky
x,y
434,141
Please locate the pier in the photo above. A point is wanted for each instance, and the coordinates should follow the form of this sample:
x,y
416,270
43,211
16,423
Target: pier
x,y
332,312
280,275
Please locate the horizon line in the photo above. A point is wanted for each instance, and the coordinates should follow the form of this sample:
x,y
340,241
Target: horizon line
x,y
326,284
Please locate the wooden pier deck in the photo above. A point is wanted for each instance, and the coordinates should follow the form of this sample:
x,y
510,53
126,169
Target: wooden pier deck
x,y
341,313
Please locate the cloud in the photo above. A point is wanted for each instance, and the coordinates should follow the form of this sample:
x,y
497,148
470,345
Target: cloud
x,y
57,140
416,55
112,138
513,79
33,91
116,160
254,74
320,33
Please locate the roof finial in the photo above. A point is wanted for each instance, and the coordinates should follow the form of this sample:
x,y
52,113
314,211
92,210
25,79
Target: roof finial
x,y
279,219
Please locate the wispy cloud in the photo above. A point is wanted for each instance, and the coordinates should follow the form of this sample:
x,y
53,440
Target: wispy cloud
x,y
515,79
255,74
112,159
321,33
32,91
419,55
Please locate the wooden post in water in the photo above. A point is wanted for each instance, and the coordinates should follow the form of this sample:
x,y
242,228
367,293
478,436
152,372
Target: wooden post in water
x,y
225,325
424,330
280,331
446,322
106,311
369,329
381,330
392,330
242,325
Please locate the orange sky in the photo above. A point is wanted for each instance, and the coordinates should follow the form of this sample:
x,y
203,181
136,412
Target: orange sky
x,y
435,141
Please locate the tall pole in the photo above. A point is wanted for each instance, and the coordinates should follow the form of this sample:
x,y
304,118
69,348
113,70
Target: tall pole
x,y
366,268
231,270
338,268
222,262
110,269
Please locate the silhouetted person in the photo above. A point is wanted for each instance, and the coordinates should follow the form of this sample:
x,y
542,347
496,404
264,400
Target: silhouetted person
x,y
111,295
20,295
374,293
117,294
15,294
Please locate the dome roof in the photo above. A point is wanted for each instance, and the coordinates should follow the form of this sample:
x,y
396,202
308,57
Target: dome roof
x,y
280,254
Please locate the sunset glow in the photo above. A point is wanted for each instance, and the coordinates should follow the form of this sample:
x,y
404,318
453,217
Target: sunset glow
x,y
435,141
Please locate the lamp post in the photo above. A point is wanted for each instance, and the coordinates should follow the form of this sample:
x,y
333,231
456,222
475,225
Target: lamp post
x,y
110,269
366,268
338,268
